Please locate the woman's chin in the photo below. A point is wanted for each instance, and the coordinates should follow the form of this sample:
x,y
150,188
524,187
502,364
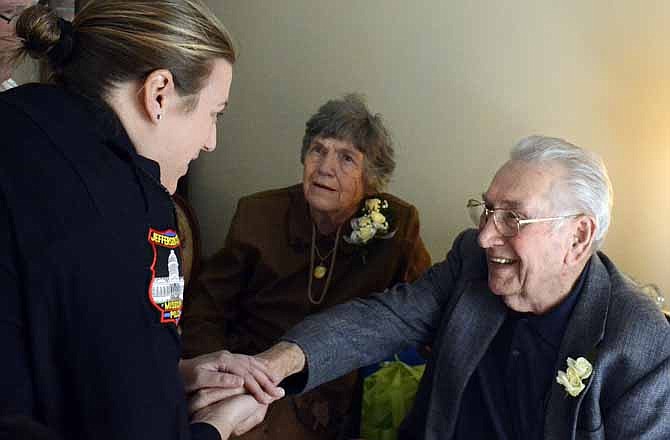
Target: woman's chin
x,y
322,204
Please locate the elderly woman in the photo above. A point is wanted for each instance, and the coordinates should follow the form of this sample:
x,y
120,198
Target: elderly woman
x,y
294,251
90,263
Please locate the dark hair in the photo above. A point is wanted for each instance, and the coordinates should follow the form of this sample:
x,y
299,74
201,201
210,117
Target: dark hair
x,y
115,41
348,119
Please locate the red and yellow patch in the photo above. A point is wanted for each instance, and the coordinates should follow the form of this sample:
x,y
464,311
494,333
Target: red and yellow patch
x,y
166,288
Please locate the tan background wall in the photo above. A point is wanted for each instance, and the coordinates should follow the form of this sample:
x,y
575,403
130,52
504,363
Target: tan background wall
x,y
459,82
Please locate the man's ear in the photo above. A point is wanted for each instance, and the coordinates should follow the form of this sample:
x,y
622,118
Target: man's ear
x,y
582,240
158,89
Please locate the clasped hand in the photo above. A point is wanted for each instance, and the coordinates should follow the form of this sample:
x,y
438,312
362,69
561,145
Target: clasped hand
x,y
229,391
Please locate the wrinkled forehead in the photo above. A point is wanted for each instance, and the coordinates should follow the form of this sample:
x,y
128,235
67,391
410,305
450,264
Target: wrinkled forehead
x,y
522,186
343,143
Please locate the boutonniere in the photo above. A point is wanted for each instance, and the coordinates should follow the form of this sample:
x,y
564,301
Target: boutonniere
x,y
572,378
374,221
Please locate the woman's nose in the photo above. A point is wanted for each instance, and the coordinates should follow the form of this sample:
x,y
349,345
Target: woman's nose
x,y
328,164
210,143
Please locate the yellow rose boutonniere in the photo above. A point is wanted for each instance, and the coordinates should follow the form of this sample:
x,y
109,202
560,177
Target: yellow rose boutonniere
x,y
374,222
572,378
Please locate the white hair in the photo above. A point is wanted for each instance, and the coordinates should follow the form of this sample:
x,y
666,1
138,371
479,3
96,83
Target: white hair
x,y
585,186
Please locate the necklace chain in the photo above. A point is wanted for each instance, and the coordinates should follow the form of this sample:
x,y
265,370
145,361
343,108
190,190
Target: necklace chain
x,y
318,254
310,274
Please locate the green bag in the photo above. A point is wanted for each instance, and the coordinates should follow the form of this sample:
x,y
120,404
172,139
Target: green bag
x,y
388,395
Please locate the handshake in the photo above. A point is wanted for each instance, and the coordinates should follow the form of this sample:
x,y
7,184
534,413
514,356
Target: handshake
x,y
232,391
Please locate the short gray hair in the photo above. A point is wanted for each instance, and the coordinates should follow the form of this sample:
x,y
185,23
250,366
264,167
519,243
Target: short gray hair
x,y
585,186
348,119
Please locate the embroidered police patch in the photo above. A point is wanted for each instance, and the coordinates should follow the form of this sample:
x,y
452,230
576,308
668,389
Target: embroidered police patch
x,y
166,289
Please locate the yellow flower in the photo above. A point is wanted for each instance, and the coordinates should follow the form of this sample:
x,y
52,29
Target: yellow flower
x,y
373,205
371,224
364,222
366,232
572,378
571,382
378,219
582,366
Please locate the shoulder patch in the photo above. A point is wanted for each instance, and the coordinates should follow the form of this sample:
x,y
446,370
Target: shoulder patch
x,y
166,288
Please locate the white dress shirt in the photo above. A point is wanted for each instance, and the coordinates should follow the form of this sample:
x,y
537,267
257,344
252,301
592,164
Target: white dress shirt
x,y
8,84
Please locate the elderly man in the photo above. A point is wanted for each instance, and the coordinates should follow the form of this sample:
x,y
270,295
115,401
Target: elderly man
x,y
535,333
9,12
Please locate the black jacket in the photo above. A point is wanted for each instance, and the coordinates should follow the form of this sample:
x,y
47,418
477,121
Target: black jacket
x,y
90,275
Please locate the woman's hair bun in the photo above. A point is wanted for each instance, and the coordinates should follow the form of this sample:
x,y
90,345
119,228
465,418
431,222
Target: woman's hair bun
x,y
44,35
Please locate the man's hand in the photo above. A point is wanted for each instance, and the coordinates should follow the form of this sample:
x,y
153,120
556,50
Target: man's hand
x,y
283,359
223,374
235,415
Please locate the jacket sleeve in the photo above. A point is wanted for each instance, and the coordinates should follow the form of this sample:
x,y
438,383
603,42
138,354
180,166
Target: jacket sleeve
x,y
365,330
212,303
16,387
204,431
15,376
643,411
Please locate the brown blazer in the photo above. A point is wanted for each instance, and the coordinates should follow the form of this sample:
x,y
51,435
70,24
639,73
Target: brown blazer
x,y
255,289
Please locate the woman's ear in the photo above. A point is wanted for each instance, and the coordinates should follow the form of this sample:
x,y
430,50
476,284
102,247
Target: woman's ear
x,y
156,92
582,239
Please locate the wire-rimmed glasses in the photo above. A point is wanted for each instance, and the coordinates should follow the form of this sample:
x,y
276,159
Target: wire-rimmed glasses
x,y
8,19
507,222
9,16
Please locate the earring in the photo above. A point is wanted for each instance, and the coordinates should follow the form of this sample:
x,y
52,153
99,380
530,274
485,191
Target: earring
x,y
158,117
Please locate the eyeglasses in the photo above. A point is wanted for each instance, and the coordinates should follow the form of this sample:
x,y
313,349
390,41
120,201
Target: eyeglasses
x,y
7,19
13,15
506,221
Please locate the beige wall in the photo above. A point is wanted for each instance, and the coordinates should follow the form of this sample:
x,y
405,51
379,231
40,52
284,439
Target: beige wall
x,y
459,82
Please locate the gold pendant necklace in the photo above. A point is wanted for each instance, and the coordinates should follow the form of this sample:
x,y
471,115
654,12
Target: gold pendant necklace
x,y
320,271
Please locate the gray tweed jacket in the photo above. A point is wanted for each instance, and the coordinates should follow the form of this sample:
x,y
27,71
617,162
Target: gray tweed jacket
x,y
618,329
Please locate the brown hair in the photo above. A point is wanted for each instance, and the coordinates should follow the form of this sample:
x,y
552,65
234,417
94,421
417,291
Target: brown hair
x,y
348,119
115,41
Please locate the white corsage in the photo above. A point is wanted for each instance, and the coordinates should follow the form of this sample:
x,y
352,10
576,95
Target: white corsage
x,y
374,222
572,378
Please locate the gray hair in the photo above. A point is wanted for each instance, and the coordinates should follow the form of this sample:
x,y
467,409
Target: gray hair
x,y
585,186
348,119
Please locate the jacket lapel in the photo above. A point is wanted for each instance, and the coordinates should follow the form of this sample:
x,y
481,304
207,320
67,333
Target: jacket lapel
x,y
584,332
473,324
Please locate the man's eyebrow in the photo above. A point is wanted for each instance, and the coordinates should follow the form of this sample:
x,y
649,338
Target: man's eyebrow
x,y
507,204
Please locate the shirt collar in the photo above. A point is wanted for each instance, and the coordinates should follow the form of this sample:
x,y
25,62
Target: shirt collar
x,y
8,84
116,138
551,326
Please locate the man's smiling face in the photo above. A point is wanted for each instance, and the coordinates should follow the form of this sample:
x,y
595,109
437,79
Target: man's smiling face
x,y
526,270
